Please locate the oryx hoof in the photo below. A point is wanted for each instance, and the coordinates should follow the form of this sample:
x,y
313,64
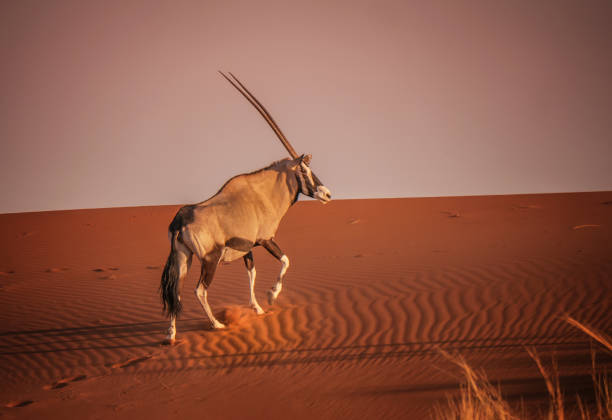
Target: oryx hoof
x,y
258,310
218,326
168,341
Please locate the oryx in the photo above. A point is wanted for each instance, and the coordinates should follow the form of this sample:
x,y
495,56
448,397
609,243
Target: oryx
x,y
244,213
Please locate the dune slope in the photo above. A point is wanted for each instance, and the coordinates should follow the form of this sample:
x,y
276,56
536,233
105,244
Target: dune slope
x,y
375,287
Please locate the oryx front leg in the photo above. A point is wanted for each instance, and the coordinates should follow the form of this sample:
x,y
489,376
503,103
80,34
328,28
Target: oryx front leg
x,y
250,266
275,250
275,291
206,276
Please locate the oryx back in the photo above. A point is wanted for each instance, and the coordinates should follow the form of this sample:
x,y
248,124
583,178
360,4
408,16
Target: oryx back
x,y
246,210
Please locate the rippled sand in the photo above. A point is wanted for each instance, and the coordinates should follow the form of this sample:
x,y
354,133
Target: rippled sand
x,y
375,288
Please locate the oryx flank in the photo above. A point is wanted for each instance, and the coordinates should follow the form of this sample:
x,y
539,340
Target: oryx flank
x,y
243,214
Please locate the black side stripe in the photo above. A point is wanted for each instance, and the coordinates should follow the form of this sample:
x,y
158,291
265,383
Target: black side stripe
x,y
239,244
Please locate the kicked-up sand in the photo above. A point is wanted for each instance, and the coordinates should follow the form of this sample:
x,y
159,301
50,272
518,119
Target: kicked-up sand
x,y
375,289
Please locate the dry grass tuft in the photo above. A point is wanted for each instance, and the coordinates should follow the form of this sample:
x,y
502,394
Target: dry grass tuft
x,y
479,399
601,380
599,336
552,385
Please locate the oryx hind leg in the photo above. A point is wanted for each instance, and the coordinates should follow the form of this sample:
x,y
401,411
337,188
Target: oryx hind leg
x,y
250,266
273,248
209,266
182,257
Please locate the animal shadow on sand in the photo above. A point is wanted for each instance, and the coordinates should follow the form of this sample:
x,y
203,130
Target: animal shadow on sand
x,y
99,337
372,352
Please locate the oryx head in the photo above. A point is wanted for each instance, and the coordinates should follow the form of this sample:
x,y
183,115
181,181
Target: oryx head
x,y
308,182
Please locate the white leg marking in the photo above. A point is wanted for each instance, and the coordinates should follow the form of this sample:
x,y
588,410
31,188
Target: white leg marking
x,y
273,294
172,330
202,296
254,304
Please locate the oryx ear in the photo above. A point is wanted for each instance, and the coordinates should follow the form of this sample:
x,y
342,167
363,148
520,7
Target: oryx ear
x,y
306,159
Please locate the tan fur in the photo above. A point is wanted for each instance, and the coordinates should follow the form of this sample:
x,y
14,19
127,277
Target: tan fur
x,y
249,206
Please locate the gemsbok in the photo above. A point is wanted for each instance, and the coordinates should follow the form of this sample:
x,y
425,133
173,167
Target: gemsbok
x,y
243,214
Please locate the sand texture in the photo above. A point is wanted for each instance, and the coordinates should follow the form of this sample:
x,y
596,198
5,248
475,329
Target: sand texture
x,y
375,288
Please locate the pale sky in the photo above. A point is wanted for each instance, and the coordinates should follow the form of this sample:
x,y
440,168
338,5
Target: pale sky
x,y
119,103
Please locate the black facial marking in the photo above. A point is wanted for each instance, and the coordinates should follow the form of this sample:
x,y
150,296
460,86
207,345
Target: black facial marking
x,y
304,181
239,244
293,184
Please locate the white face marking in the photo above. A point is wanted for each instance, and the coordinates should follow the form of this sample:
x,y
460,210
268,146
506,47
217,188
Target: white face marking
x,y
308,173
323,194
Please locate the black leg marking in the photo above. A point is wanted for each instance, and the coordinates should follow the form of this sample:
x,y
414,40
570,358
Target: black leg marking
x,y
272,247
250,266
209,267
248,261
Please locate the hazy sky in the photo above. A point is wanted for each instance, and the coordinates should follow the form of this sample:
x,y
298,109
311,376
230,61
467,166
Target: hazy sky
x,y
119,103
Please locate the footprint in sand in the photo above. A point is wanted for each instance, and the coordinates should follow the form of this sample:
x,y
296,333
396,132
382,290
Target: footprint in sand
x,y
130,362
56,269
101,270
528,206
17,404
7,273
152,267
585,226
62,383
452,213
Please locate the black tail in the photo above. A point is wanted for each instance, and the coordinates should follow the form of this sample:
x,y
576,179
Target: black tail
x,y
170,287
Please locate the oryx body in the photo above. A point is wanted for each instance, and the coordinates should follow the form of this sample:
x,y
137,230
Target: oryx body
x,y
245,213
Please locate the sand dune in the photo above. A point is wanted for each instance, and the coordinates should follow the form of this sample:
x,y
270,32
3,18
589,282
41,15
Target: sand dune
x,y
375,288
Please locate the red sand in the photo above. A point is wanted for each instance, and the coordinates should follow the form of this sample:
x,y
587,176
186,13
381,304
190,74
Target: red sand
x,y
374,288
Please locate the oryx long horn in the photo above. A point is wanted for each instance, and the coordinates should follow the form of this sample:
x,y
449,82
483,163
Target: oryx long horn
x,y
263,111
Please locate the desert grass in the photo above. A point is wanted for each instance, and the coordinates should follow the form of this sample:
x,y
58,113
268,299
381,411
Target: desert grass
x,y
551,378
479,399
601,380
598,336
